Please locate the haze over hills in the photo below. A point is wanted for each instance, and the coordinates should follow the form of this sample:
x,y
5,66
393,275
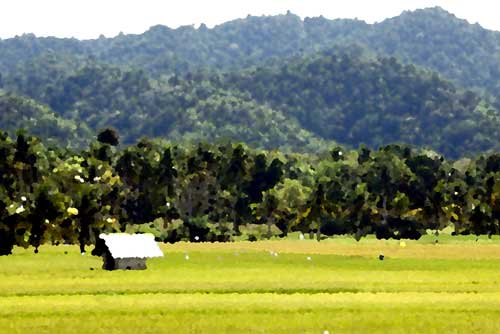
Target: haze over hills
x,y
274,81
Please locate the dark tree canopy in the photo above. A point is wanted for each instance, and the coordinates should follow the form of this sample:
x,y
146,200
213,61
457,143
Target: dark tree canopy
x,y
109,136
217,192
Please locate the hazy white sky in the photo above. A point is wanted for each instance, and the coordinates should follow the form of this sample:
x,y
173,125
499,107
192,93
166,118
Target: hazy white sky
x,y
90,18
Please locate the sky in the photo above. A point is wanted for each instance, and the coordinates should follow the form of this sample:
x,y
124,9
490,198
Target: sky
x,y
86,19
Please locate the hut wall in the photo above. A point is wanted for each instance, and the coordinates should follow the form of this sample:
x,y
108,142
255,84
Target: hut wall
x,y
130,263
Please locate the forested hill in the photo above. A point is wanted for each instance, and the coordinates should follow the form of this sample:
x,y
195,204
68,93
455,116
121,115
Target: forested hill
x,y
433,38
351,100
22,113
98,96
270,81
302,104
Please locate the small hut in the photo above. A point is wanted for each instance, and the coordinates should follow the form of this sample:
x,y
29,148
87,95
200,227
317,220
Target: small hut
x,y
126,251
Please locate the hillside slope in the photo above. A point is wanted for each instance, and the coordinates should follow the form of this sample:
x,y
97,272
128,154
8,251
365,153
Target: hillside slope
x,y
433,38
22,113
100,95
346,98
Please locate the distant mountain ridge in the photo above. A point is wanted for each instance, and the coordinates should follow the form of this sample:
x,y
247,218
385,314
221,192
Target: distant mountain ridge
x,y
271,82
433,38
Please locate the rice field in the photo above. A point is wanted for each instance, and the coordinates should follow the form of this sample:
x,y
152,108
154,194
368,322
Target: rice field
x,y
279,286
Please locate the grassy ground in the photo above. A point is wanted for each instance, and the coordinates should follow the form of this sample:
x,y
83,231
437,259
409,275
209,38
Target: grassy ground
x,y
287,286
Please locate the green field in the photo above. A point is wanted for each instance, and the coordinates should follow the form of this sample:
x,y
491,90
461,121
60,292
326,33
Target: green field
x,y
337,285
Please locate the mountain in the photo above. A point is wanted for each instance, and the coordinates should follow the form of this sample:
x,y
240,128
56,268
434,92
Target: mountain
x,y
343,96
270,81
99,95
432,38
465,53
303,104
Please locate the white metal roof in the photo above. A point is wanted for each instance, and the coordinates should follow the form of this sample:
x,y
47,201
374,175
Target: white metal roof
x,y
123,245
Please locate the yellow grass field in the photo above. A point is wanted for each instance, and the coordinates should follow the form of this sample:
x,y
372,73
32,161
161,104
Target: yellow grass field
x,y
279,286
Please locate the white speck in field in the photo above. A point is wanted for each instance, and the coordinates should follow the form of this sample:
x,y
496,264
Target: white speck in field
x,y
275,254
309,258
326,332
301,236
83,253
186,257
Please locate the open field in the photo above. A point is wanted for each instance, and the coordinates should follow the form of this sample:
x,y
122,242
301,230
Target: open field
x,y
337,285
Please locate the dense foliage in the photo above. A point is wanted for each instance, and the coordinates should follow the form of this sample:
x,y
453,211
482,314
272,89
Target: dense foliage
x,y
343,97
213,192
276,88
336,96
22,113
97,96
433,38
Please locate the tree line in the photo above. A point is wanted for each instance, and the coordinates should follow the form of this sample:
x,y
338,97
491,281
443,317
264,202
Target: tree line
x,y
215,192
